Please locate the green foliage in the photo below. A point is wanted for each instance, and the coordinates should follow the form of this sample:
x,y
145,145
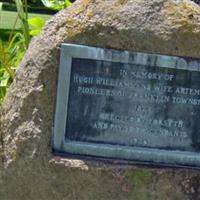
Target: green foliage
x,y
10,56
56,4
36,24
23,16
13,51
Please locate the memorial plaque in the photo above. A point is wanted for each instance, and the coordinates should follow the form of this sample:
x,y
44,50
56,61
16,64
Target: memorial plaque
x,y
126,105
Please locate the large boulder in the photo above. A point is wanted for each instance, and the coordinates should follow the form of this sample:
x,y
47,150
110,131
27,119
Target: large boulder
x,y
28,169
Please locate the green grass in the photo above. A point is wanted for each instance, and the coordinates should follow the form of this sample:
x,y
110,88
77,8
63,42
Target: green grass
x,y
4,35
8,19
15,33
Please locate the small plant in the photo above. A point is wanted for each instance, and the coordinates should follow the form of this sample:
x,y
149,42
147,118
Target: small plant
x,y
36,25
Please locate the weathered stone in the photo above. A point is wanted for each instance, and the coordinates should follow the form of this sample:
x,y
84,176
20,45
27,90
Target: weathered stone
x,y
28,169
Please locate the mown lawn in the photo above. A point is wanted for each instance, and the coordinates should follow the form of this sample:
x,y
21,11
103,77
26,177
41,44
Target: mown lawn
x,y
8,19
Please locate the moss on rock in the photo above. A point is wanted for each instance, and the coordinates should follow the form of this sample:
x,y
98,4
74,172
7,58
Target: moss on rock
x,y
139,177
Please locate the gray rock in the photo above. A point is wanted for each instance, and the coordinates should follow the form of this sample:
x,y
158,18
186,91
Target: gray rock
x,y
28,169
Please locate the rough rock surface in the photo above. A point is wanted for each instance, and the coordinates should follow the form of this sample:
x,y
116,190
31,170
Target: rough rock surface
x,y
28,170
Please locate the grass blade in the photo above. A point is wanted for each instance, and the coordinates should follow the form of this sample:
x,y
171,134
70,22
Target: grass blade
x,y
23,16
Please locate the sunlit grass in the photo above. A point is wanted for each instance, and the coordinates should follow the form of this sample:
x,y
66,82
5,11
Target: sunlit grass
x,y
8,19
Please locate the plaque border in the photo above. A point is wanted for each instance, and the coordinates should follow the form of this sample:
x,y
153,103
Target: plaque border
x,y
138,154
